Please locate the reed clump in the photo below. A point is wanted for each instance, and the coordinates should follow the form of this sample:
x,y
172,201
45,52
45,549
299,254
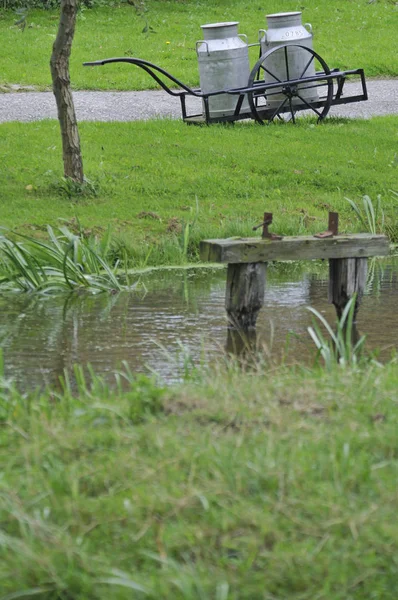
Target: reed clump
x,y
66,261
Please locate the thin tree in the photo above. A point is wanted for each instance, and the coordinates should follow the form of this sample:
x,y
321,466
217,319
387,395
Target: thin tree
x,y
71,153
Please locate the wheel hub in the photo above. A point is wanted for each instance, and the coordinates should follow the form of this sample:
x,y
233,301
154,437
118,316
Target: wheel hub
x,y
290,91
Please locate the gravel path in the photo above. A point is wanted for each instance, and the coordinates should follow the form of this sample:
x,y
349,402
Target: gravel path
x,y
133,106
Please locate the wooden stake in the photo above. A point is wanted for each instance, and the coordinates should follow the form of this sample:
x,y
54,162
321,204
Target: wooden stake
x,y
245,293
347,276
241,343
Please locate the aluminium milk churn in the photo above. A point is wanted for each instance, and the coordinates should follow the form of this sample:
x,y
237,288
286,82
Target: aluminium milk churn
x,y
286,28
223,58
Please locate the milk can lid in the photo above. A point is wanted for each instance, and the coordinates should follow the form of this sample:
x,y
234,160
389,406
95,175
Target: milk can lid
x,y
214,25
286,14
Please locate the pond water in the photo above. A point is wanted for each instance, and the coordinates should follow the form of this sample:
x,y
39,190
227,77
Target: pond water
x,y
176,309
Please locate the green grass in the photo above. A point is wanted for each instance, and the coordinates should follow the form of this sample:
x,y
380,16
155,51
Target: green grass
x,y
155,179
348,34
271,485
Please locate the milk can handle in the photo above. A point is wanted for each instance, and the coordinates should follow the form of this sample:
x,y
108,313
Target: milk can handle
x,y
244,36
260,31
202,42
308,26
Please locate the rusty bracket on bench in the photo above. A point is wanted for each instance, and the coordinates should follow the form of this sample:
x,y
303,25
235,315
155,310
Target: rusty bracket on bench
x,y
333,226
267,235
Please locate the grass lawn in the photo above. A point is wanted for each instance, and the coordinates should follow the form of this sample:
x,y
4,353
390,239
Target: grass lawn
x,y
275,485
155,177
348,34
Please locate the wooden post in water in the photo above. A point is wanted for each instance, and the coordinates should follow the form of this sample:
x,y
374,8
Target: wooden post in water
x,y
347,276
244,295
241,343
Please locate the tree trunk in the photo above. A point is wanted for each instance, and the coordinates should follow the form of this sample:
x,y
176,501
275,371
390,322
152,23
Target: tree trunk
x,y
73,164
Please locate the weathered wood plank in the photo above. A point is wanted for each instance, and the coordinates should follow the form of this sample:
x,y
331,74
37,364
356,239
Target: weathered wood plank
x,y
244,295
252,250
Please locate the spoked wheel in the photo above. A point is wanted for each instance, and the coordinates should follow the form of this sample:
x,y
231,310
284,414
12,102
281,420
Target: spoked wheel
x,y
287,79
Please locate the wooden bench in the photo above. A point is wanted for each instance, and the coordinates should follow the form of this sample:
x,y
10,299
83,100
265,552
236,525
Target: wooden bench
x,y
247,260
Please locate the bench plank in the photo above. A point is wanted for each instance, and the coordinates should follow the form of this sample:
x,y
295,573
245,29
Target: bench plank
x,y
251,250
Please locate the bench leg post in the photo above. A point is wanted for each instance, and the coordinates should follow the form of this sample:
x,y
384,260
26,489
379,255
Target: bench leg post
x,y
347,276
244,294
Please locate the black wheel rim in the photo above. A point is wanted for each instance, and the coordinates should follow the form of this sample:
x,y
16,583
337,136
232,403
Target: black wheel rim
x,y
257,110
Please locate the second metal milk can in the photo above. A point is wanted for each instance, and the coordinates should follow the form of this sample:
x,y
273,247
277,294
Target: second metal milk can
x,y
287,28
223,58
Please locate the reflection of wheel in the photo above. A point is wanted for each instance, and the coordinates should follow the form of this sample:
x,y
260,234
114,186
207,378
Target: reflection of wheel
x,y
299,72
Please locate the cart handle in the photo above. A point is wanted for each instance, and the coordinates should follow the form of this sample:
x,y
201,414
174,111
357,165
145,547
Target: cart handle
x,y
153,70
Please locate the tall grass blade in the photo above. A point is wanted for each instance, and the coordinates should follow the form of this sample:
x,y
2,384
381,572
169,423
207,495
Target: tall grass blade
x,y
27,593
322,319
357,211
123,579
370,214
380,211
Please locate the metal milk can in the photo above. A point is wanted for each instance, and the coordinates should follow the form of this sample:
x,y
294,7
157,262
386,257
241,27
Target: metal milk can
x,y
223,58
286,28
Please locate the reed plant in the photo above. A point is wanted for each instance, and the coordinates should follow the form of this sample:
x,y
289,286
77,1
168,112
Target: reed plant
x,y
66,261
341,346
370,214
391,226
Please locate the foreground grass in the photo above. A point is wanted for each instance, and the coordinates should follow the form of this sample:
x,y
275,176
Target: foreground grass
x,y
361,33
157,181
273,484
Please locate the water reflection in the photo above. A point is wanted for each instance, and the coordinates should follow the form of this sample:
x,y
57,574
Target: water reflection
x,y
43,336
